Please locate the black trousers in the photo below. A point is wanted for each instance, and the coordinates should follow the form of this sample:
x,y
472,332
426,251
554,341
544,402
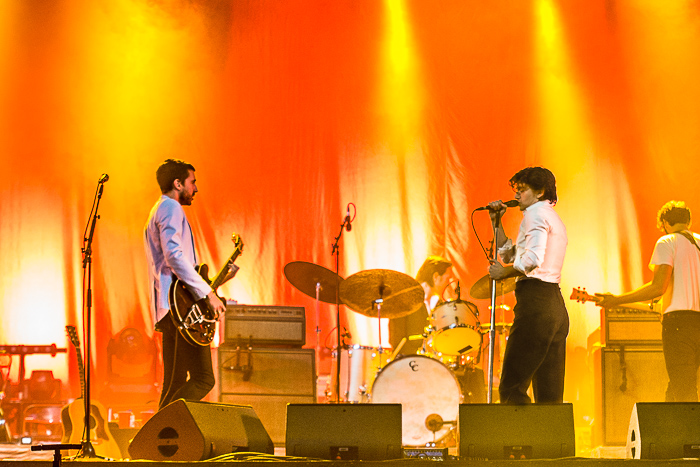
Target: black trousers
x,y
681,341
187,369
536,349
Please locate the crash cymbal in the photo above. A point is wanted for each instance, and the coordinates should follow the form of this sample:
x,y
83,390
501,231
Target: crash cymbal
x,y
401,294
482,288
304,276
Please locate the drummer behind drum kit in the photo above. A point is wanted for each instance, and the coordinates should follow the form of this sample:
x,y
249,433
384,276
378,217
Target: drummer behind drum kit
x,y
424,384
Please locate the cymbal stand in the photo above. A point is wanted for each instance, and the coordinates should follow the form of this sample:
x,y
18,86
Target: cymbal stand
x,y
336,251
318,329
378,303
492,329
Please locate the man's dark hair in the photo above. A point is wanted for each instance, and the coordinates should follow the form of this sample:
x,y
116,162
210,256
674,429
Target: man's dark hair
x,y
430,266
171,170
673,212
537,178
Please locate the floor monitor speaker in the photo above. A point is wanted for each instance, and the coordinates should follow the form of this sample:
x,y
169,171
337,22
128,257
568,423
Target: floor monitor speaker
x,y
193,431
535,431
664,430
344,431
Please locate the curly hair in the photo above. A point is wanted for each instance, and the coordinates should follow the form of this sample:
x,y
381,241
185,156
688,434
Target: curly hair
x,y
673,212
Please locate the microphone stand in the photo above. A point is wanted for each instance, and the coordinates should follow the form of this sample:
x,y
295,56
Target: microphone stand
x,y
336,252
492,330
88,451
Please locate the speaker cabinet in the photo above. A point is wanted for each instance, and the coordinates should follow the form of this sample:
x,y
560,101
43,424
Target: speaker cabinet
x,y
623,376
344,431
267,380
664,430
535,431
193,431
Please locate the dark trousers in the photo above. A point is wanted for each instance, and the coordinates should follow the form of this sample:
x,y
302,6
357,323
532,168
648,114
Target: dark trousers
x,y
180,360
681,341
536,348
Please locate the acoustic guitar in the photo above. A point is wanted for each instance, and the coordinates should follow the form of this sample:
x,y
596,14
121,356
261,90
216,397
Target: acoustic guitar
x,y
73,415
194,318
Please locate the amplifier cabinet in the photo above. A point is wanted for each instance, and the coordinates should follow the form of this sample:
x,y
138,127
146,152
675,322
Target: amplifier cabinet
x,y
265,325
268,380
628,326
624,375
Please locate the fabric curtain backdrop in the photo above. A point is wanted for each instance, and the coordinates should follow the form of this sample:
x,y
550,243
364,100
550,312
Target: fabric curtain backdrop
x,y
417,112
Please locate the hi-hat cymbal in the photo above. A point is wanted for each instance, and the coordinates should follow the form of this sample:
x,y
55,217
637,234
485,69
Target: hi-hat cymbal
x,y
400,294
304,276
482,288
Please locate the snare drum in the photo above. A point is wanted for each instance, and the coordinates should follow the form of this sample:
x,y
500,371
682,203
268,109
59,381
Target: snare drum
x,y
358,367
423,386
456,327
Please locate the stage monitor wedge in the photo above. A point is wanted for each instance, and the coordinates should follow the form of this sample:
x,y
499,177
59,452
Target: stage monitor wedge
x,y
193,431
500,431
664,430
344,431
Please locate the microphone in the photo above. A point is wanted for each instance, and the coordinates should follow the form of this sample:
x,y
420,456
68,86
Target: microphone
x,y
103,178
348,226
509,204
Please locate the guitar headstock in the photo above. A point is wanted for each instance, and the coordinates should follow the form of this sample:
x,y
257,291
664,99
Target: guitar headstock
x,y
73,335
237,242
581,296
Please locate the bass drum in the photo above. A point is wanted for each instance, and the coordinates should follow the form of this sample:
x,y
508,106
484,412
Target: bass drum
x,y
423,387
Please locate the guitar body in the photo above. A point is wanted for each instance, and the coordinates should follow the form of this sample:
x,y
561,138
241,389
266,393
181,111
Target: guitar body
x,y
73,420
194,318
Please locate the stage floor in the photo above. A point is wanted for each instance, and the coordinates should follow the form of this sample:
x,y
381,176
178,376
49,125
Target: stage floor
x,y
14,455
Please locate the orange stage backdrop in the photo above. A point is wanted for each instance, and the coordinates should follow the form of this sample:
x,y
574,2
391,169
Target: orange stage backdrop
x,y
415,111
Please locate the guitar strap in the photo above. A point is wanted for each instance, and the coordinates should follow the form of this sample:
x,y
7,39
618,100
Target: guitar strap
x,y
690,238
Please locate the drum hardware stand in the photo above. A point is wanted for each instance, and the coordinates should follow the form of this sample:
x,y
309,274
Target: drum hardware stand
x,y
434,423
378,302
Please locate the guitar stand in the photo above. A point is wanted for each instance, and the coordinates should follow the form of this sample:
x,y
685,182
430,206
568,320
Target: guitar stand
x,y
56,448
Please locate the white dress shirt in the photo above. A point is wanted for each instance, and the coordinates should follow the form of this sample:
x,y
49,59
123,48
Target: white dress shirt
x,y
170,252
541,244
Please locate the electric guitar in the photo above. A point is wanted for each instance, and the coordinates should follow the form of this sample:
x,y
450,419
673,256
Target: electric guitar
x,y
581,296
73,415
194,318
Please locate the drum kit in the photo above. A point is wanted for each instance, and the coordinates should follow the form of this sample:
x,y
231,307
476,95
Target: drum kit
x,y
425,384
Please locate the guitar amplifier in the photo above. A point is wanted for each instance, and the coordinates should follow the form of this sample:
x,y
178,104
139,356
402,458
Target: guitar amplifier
x,y
265,325
624,326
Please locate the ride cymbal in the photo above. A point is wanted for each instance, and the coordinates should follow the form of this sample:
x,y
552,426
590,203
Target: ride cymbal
x,y
399,294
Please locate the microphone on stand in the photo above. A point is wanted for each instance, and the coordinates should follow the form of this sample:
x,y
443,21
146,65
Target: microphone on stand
x,y
348,225
103,178
509,204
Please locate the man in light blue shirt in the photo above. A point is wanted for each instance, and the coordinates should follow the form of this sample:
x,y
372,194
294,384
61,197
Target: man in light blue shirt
x,y
187,368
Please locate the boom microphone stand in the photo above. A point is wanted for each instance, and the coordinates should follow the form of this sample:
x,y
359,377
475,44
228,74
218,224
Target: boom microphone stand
x,y
492,329
346,225
87,449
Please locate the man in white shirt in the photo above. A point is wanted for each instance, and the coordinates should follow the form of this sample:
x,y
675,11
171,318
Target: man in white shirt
x,y
676,265
536,349
170,252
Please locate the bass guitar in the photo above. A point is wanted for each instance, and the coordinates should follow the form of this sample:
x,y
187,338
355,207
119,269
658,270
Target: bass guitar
x,y
73,415
194,318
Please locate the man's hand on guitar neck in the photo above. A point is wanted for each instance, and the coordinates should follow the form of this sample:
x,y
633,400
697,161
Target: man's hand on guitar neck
x,y
215,304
